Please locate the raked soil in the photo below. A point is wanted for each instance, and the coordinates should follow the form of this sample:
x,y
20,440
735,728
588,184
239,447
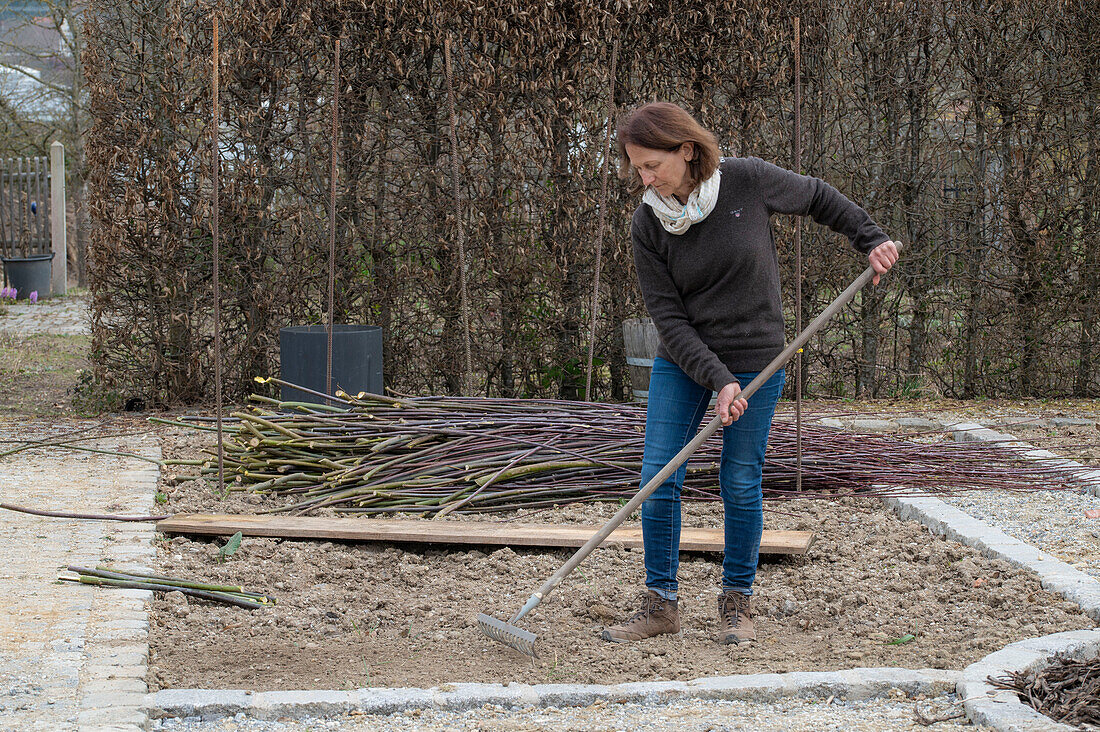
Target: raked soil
x,y
351,616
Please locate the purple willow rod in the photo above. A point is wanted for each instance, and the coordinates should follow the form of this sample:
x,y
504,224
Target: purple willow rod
x,y
66,514
368,471
346,399
410,480
81,448
487,498
491,497
390,509
504,507
294,406
359,477
58,442
327,499
464,433
465,477
510,405
526,515
230,599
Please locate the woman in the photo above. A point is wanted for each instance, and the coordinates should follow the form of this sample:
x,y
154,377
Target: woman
x,y
709,274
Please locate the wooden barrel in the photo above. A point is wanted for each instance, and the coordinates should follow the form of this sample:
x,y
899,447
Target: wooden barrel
x,y
640,342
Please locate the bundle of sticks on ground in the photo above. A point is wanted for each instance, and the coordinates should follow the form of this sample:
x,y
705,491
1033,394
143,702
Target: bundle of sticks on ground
x,y
1066,691
372,454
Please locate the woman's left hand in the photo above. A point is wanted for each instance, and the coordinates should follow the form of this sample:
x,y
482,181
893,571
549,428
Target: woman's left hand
x,y
882,258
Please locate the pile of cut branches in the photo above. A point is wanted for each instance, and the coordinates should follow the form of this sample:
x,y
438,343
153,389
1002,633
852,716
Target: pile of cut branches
x,y
437,455
134,580
1067,691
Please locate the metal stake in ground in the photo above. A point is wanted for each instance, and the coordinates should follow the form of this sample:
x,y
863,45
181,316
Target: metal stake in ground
x,y
216,155
796,145
524,640
332,216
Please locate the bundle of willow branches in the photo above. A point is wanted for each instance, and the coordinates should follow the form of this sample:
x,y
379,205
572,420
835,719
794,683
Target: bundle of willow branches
x,y
436,455
228,594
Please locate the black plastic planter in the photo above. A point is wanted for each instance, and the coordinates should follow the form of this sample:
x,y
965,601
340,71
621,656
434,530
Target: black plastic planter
x,y
29,274
356,360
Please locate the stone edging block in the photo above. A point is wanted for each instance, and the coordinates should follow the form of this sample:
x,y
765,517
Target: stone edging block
x,y
1054,574
973,432
1002,709
860,683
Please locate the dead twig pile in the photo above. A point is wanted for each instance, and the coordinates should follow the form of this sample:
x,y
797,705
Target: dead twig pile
x,y
436,455
1067,691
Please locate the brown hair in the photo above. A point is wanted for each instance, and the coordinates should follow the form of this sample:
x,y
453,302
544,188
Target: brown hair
x,y
664,126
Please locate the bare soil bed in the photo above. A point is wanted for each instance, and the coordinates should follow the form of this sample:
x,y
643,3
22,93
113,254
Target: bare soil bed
x,y
351,616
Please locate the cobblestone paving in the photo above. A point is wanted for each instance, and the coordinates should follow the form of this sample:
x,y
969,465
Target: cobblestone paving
x,y
66,315
72,656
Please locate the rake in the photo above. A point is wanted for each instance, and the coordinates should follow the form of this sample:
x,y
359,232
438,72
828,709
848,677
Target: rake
x,y
524,640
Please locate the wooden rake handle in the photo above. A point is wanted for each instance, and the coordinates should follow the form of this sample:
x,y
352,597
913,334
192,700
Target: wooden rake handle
x,y
681,457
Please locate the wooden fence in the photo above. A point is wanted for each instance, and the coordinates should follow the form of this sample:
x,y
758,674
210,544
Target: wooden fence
x,y
24,207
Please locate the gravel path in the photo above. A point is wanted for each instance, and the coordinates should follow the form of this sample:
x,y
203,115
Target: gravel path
x,y
793,715
52,316
1054,522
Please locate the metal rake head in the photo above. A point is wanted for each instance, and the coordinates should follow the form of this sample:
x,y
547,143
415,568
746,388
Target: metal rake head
x,y
508,634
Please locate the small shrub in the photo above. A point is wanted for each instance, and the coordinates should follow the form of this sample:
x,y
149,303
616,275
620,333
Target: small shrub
x,y
93,397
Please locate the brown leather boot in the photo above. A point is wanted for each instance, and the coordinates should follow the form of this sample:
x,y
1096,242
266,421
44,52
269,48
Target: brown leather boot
x,y
657,616
734,619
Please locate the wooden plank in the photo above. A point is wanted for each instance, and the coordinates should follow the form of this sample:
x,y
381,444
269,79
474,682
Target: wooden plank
x,y
480,533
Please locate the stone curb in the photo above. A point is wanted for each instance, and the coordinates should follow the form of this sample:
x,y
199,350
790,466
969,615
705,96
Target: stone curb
x,y
1002,709
853,684
973,432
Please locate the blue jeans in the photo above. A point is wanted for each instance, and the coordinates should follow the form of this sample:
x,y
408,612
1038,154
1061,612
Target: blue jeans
x,y
676,407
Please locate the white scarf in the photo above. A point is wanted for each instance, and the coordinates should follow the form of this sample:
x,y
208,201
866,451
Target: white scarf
x,y
677,218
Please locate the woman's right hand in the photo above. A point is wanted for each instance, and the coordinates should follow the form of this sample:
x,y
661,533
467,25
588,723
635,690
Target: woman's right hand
x,y
729,407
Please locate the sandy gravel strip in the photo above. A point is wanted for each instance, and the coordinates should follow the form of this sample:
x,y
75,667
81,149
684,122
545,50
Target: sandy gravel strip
x,y
851,685
896,714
